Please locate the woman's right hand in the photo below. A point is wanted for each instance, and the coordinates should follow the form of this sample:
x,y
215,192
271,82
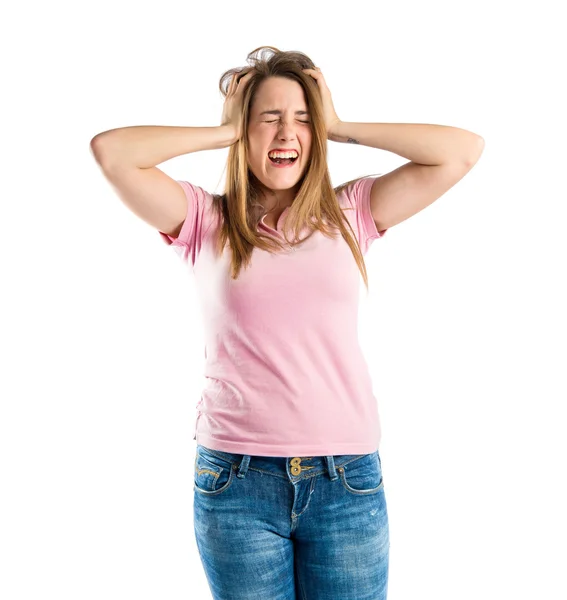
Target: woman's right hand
x,y
232,109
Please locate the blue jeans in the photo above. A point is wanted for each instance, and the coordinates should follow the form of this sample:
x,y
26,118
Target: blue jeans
x,y
303,528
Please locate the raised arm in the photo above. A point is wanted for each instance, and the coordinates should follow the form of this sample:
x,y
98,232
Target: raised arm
x,y
127,157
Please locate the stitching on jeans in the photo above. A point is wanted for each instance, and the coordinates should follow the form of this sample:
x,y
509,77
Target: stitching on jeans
x,y
199,471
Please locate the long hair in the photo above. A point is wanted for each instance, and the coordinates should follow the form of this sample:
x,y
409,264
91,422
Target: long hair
x,y
316,198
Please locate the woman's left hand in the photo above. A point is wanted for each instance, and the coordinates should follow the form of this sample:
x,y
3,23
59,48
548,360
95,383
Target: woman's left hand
x,y
331,118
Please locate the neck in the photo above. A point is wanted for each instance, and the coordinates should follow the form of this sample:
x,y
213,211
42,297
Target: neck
x,y
278,198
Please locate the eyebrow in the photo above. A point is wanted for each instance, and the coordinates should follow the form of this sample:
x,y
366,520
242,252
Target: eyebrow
x,y
279,112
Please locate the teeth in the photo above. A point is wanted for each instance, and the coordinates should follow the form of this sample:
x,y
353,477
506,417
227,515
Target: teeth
x,y
291,154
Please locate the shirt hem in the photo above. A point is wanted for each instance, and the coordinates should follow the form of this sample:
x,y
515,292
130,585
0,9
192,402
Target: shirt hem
x,y
299,450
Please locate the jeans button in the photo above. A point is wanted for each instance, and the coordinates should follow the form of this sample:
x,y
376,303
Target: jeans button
x,y
295,466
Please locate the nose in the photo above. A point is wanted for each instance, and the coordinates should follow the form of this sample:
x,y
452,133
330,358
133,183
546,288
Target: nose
x,y
286,130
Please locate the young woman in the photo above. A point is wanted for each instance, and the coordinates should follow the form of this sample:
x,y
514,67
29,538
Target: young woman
x,y
289,493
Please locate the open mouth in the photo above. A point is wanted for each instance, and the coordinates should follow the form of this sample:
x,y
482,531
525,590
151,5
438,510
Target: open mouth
x,y
283,161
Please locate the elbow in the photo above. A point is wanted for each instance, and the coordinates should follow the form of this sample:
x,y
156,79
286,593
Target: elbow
x,y
475,152
99,148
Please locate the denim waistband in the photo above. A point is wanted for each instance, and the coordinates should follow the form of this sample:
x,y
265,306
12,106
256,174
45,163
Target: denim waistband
x,y
296,468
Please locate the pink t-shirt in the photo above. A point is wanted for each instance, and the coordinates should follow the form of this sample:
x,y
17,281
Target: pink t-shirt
x,y
285,375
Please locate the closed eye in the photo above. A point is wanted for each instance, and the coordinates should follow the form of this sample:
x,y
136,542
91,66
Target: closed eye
x,y
276,120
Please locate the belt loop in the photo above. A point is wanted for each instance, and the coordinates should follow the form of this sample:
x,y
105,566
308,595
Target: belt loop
x,y
331,468
243,468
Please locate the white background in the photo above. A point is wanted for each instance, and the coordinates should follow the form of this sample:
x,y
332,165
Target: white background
x,y
464,328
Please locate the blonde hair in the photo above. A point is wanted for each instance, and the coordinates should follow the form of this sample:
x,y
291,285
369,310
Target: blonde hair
x,y
316,198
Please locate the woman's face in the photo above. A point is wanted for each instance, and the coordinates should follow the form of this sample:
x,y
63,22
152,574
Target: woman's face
x,y
289,128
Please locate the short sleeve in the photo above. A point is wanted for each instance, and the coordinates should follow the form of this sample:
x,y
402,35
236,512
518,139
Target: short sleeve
x,y
198,220
357,198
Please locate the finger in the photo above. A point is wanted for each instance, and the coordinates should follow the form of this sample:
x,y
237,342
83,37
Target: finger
x,y
312,72
245,76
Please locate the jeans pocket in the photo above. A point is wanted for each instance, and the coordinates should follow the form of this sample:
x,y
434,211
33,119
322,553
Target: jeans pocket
x,y
213,475
363,475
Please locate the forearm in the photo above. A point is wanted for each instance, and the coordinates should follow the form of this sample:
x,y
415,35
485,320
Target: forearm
x,y
420,143
146,146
